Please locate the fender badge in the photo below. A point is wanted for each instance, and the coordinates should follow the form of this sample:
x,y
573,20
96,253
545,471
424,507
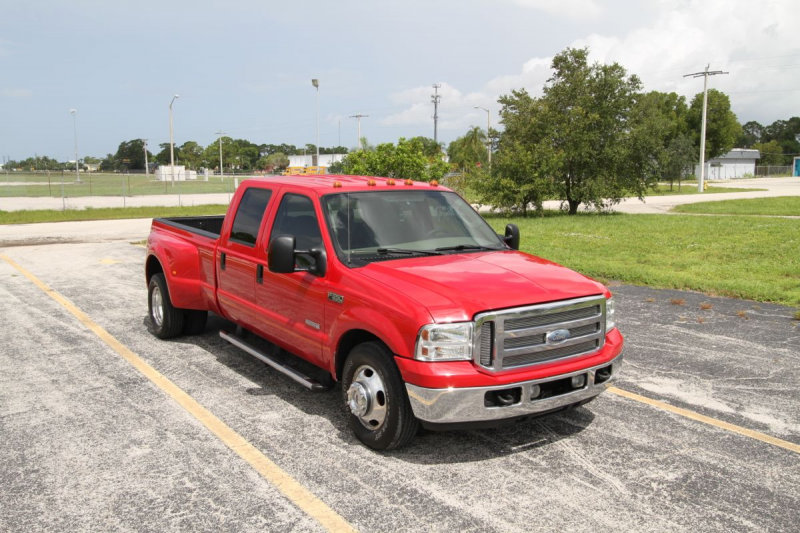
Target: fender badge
x,y
312,324
336,298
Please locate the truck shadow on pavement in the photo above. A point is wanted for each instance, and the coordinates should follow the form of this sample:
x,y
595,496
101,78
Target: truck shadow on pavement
x,y
427,448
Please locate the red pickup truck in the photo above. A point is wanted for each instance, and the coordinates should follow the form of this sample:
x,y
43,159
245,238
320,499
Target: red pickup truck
x,y
397,288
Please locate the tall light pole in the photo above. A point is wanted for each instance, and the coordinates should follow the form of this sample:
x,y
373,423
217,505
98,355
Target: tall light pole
x,y
221,175
172,147
436,98
488,128
146,163
358,119
74,112
315,83
705,75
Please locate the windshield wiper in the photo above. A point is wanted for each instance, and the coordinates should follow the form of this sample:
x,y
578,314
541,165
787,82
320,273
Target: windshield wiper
x,y
460,247
405,251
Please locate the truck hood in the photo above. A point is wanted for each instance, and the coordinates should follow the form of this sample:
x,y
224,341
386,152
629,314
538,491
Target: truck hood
x,y
455,287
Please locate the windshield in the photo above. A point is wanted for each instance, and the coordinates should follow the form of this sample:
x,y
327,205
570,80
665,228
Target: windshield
x,y
370,226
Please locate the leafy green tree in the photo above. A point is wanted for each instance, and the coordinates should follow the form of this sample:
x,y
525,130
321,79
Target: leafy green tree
x,y
133,151
722,127
469,150
787,134
191,154
678,160
519,178
752,133
406,160
274,161
577,133
771,153
430,148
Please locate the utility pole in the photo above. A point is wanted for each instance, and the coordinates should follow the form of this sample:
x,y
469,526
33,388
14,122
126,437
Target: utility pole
x,y
74,112
146,163
172,149
488,138
358,118
315,83
705,75
221,175
436,98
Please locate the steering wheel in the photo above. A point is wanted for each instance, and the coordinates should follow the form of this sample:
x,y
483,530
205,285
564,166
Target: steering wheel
x,y
436,232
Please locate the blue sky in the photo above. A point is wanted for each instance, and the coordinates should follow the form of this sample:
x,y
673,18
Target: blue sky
x,y
245,67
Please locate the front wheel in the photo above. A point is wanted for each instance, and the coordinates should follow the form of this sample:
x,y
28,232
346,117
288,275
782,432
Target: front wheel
x,y
376,399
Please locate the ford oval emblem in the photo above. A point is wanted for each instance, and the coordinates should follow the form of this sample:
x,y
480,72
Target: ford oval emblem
x,y
559,335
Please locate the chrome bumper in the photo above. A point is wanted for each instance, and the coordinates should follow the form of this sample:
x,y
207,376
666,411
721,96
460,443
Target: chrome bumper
x,y
448,406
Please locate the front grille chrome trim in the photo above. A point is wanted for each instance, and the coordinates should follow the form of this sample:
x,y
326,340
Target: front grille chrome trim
x,y
575,311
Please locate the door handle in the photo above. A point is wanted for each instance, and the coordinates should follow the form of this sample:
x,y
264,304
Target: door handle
x,y
222,261
260,274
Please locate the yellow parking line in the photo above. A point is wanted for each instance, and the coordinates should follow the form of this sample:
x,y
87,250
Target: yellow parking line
x,y
708,420
290,487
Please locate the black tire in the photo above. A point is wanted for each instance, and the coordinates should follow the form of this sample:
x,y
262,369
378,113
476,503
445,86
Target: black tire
x,y
166,319
194,322
399,425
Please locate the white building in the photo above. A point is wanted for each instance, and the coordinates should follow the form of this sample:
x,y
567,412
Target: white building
x,y
164,173
325,160
734,164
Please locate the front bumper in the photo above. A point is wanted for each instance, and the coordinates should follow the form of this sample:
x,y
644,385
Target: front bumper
x,y
468,405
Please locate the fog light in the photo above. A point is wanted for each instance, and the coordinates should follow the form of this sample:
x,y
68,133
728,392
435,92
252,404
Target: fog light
x,y
578,381
535,391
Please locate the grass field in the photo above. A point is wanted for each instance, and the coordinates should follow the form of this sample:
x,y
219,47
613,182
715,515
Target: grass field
x,y
743,257
781,205
663,190
98,184
107,213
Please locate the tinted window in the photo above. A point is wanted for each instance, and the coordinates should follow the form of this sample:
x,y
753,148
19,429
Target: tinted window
x,y
296,217
249,215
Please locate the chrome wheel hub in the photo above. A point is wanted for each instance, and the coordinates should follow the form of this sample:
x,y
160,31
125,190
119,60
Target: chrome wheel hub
x,y
157,305
366,397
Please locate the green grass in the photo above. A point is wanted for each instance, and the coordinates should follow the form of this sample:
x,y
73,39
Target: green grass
x,y
781,205
742,257
663,190
107,213
106,185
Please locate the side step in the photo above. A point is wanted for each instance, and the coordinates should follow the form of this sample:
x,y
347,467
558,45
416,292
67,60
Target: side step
x,y
309,383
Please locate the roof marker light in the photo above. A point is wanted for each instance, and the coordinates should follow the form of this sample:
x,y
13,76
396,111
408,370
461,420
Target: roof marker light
x,y
337,184
390,181
408,182
434,183
371,183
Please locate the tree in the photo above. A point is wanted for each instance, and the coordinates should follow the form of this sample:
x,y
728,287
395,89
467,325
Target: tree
x,y
578,132
273,161
722,127
469,150
752,133
787,134
407,160
191,154
518,180
131,151
430,148
678,160
771,153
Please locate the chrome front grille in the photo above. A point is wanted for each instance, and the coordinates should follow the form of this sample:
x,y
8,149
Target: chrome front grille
x,y
517,337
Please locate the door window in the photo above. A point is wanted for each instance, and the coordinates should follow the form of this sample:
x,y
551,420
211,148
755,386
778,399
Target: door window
x,y
249,215
296,217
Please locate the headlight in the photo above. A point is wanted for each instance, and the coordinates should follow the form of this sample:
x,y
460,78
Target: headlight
x,y
611,319
445,342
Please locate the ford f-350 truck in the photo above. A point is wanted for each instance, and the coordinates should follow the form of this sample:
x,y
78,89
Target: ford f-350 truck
x,y
398,289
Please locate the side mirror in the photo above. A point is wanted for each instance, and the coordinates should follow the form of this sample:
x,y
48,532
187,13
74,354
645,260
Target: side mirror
x,y
281,255
512,236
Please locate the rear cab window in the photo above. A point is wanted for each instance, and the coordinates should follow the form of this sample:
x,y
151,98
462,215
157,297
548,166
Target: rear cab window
x,y
249,215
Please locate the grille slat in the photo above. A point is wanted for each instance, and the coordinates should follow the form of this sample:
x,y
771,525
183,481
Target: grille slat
x,y
514,324
516,338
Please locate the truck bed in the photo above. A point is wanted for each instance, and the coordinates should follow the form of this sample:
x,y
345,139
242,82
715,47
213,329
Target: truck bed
x,y
208,226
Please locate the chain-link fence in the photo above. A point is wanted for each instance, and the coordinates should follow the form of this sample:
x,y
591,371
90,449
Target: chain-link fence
x,y
776,170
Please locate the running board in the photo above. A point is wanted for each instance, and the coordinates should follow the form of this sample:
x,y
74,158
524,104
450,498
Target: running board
x,y
309,383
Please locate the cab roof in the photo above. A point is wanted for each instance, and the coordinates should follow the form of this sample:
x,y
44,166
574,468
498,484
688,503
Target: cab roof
x,y
335,183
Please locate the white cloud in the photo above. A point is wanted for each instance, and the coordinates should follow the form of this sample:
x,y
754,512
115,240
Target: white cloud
x,y
756,44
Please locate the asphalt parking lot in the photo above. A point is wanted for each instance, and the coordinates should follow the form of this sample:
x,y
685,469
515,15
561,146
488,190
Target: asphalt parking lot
x,y
89,443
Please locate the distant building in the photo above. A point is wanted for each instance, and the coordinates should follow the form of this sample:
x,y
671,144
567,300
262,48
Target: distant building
x,y
735,164
325,160
164,173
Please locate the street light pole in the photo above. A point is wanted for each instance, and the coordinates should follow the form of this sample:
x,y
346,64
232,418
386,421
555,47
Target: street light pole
x,y
488,138
74,112
315,83
146,163
221,175
358,119
172,147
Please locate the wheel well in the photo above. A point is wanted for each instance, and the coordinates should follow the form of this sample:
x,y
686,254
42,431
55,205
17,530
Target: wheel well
x,y
347,342
152,267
